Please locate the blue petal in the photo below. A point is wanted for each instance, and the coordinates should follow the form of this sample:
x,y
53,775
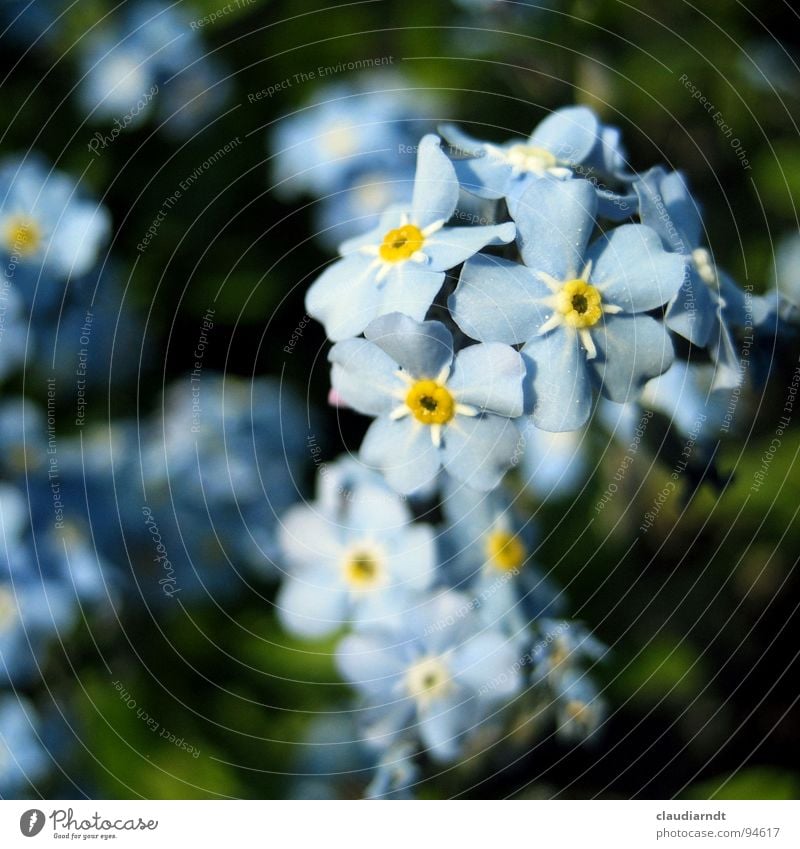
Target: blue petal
x,y
412,557
311,610
555,219
344,297
440,728
452,245
435,184
423,349
631,349
372,664
692,313
489,377
410,289
372,508
496,300
403,451
478,451
633,271
485,176
666,205
616,206
488,661
558,380
570,134
364,376
308,538
463,143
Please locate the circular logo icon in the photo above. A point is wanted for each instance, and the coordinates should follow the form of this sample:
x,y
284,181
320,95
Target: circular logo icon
x,y
31,822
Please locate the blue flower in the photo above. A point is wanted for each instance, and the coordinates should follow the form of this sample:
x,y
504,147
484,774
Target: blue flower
x,y
23,758
580,312
48,232
346,131
439,677
709,305
432,408
352,562
124,62
399,267
571,142
491,553
689,396
219,463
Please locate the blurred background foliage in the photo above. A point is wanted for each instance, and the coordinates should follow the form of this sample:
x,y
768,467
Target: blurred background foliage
x,y
700,612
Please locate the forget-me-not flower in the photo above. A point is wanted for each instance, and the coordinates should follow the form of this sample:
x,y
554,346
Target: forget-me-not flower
x,y
347,564
433,409
439,677
400,266
579,310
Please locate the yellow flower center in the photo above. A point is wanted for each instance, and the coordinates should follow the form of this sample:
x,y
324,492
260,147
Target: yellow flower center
x,y
428,679
362,570
579,303
401,243
8,610
430,402
525,157
23,235
505,551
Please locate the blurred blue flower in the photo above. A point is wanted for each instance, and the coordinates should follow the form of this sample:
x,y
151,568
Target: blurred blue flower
x,y
347,130
399,267
432,408
562,647
579,311
218,465
344,564
23,759
48,231
438,678
149,54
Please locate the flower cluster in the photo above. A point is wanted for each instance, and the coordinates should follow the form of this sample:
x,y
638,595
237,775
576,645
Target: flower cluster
x,y
521,287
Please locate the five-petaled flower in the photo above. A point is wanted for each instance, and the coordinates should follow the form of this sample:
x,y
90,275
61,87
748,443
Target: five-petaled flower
x,y
432,408
400,266
579,310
